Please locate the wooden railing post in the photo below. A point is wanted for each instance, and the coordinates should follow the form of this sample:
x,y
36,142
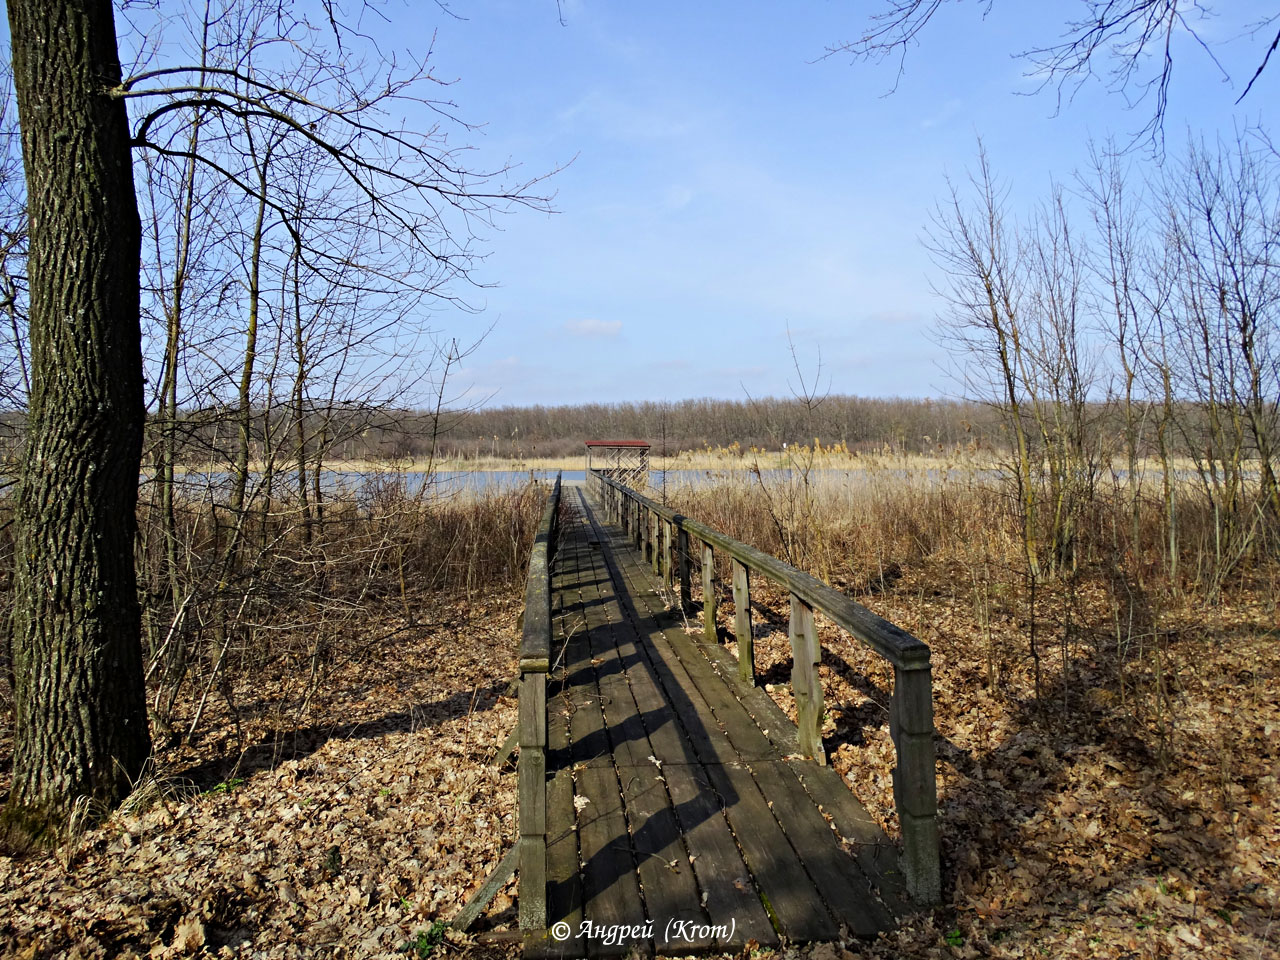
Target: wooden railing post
x,y
915,791
532,774
709,634
682,565
667,551
644,534
742,621
655,555
806,685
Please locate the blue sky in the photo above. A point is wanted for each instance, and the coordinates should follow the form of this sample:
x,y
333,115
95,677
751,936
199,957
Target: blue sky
x,y
724,184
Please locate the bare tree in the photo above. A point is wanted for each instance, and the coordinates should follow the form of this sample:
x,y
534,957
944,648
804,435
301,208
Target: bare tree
x,y
1133,38
1220,209
986,291
981,256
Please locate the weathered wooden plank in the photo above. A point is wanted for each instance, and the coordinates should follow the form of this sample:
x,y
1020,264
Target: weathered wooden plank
x,y
702,729
766,713
722,874
847,891
875,852
611,890
667,880
791,806
692,673
535,660
668,804
533,881
787,891
914,784
606,887
589,740
532,789
668,552
564,884
920,860
535,639
913,699
706,723
533,710
612,646
655,557
686,580
503,872
507,749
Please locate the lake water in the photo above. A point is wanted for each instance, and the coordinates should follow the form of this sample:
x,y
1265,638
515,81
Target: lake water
x,y
363,485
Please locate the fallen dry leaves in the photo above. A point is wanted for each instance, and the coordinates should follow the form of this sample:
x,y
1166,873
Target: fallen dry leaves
x,y
341,833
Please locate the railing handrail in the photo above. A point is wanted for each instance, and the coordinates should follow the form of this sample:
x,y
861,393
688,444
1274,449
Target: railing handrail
x,y
535,639
890,641
535,663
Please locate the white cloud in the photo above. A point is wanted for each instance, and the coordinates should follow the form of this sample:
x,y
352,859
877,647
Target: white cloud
x,y
591,327
631,120
677,198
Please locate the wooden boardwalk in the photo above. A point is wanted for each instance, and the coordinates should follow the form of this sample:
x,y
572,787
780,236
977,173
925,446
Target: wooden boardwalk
x,y
679,815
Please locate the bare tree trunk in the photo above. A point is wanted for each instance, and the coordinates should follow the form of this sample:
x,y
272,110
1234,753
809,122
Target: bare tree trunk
x,y
80,710
244,396
300,391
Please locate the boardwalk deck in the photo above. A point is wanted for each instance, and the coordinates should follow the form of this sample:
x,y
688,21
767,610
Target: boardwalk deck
x,y
676,805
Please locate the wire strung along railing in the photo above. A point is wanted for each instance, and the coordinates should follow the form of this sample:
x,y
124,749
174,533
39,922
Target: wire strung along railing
x,y
666,538
535,663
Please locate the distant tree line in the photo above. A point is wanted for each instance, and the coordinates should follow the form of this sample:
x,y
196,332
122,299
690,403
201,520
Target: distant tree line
x,y
860,423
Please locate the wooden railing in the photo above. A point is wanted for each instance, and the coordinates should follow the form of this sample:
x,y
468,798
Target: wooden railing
x,y
666,537
535,663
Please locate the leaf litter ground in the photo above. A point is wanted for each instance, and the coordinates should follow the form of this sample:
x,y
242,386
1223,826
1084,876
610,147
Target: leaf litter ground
x,y
344,832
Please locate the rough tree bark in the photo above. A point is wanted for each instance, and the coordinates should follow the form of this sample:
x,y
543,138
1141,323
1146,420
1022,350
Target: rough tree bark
x,y
81,721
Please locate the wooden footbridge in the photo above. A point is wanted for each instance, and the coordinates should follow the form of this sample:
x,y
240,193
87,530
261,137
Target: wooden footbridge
x,y
667,805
